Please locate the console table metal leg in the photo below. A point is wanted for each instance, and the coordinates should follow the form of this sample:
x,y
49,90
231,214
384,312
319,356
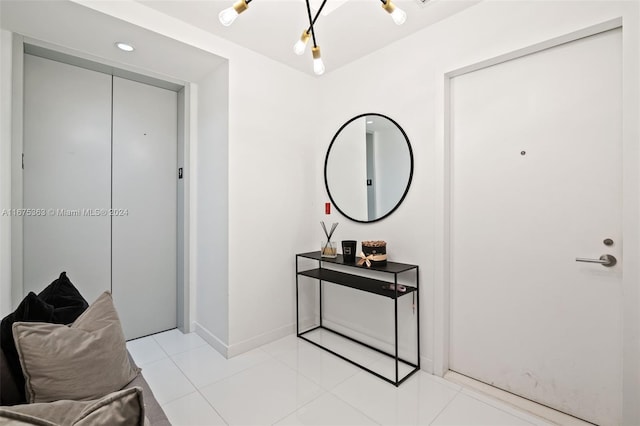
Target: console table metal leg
x,y
418,315
320,292
396,324
297,302
320,296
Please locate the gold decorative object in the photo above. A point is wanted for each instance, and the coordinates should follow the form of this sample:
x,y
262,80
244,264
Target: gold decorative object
x,y
375,252
365,259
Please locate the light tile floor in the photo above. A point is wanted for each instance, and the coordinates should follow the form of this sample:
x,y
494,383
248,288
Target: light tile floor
x,y
292,382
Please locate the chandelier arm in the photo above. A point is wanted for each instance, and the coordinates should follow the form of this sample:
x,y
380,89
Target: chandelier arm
x,y
318,12
313,33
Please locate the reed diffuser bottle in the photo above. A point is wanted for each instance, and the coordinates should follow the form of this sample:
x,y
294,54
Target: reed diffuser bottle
x,y
329,248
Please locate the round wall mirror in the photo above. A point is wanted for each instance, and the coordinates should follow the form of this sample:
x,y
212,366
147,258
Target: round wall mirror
x,y
368,167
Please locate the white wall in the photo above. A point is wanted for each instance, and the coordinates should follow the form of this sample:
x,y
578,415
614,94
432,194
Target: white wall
x,y
211,172
251,205
269,208
631,135
416,100
271,140
5,171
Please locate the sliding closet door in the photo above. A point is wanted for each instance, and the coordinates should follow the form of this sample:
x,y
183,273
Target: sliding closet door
x,y
67,162
144,200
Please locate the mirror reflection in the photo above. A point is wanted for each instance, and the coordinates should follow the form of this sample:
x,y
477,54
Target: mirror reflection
x,y
368,167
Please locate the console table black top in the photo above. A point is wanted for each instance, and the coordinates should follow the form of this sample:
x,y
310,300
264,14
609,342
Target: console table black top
x,y
392,267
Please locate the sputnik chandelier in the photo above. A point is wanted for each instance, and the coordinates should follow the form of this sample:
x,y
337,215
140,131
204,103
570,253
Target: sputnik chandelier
x,y
230,14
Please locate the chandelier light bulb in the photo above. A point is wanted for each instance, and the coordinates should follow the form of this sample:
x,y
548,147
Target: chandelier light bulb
x,y
318,65
227,16
230,14
301,45
398,15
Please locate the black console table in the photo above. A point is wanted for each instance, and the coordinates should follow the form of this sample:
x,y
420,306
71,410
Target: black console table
x,y
354,279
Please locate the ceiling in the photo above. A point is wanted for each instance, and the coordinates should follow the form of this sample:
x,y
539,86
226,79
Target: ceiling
x,y
91,35
269,27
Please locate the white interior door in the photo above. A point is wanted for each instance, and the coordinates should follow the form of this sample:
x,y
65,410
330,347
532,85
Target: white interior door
x,y
144,186
67,162
536,183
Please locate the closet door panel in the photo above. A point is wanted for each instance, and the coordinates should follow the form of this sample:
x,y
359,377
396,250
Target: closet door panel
x,y
144,202
67,174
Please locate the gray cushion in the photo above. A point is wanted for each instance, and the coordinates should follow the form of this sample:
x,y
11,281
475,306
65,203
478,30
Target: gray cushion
x,y
121,408
60,303
83,361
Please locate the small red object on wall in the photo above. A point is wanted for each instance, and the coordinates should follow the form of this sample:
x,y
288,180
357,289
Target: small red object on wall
x,y
327,208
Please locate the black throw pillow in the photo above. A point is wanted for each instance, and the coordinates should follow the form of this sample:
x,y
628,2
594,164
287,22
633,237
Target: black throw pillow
x,y
31,309
67,301
59,303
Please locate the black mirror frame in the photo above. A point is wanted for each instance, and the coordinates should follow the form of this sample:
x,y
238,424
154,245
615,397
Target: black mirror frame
x,y
326,160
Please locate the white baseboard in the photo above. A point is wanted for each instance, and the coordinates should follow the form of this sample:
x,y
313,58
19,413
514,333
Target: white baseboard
x,y
229,351
191,327
262,339
211,339
426,364
307,323
488,394
408,353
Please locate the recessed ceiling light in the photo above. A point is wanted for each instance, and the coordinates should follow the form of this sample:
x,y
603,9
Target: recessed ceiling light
x,y
125,46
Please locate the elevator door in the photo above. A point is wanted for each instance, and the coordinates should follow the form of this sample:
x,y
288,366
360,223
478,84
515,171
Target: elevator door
x,y
67,168
100,156
144,191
